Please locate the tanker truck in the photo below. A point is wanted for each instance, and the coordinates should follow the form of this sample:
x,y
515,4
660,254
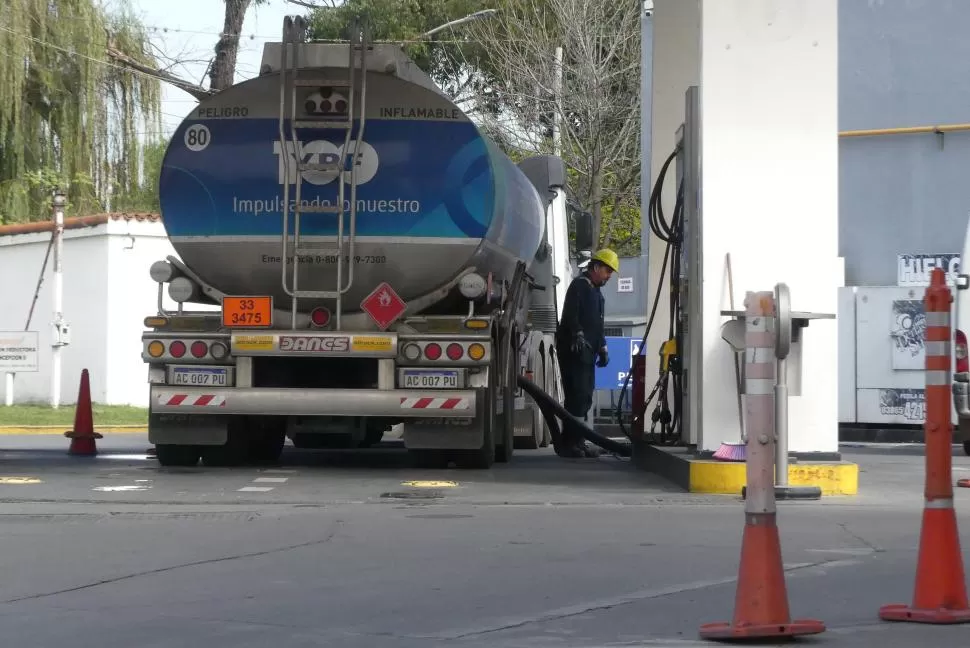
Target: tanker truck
x,y
367,259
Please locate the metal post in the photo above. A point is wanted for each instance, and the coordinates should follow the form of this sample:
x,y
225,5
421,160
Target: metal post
x,y
782,349
646,154
60,200
8,390
781,424
783,338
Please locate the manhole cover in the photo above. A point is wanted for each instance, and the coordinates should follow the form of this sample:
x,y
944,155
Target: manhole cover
x,y
412,495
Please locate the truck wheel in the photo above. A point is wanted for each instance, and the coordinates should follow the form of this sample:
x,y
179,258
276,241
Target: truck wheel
x,y
266,440
373,436
177,455
506,445
235,449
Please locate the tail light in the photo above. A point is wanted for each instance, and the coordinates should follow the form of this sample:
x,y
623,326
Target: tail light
x,y
960,351
320,317
455,352
200,349
219,350
177,349
432,351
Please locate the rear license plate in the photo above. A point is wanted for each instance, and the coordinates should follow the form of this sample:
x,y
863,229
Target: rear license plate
x,y
417,379
195,376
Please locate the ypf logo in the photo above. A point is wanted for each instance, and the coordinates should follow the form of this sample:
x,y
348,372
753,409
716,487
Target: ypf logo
x,y
325,152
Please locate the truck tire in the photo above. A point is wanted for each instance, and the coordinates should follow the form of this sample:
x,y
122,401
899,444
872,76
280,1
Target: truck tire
x,y
235,450
265,440
534,441
177,455
505,446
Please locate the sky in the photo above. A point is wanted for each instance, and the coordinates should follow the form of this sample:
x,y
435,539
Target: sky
x,y
187,30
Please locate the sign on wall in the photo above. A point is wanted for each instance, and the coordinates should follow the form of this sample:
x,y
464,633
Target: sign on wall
x,y
915,269
621,350
907,330
624,285
19,351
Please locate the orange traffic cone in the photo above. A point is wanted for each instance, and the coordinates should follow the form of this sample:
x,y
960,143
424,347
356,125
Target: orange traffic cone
x,y
83,435
761,601
940,594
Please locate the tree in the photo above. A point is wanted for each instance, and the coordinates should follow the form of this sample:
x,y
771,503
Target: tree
x,y
502,71
404,21
598,105
68,117
223,70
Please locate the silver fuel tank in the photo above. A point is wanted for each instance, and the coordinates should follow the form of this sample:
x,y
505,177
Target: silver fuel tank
x,y
434,195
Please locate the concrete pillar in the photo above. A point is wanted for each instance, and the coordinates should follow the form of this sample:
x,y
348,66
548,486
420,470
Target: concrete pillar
x,y
768,73
676,65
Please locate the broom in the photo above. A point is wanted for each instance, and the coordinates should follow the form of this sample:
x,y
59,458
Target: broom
x,y
734,451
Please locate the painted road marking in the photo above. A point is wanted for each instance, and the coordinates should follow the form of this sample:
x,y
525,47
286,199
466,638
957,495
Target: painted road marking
x,y
20,480
270,480
255,489
430,484
112,489
278,471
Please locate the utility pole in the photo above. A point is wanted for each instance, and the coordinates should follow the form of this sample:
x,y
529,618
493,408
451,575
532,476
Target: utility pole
x,y
57,342
557,95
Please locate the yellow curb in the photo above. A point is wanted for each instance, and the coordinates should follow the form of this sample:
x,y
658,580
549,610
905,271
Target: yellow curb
x,y
59,430
728,478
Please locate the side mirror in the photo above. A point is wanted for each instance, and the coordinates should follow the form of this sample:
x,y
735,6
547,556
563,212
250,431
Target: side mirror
x,y
584,231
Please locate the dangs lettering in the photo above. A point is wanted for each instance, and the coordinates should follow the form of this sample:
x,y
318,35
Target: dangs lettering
x,y
307,343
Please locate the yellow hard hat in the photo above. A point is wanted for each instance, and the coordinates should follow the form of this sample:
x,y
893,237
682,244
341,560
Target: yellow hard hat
x,y
607,257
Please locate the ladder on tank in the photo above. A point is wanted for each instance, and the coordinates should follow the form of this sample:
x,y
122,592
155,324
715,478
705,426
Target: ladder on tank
x,y
344,168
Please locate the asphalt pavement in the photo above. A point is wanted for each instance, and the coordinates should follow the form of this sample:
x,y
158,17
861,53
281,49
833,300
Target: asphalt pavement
x,y
348,549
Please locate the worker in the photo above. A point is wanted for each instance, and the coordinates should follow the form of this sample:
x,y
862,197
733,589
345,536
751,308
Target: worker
x,y
581,343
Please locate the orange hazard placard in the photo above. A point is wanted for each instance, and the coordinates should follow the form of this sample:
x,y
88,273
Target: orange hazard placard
x,y
247,312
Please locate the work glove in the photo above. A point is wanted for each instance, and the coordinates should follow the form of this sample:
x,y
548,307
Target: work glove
x,y
602,357
579,344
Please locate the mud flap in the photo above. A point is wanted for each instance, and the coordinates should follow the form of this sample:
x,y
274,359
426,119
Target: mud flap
x,y
188,429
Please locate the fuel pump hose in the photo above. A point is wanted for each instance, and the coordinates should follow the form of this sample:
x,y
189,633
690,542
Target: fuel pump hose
x,y
551,410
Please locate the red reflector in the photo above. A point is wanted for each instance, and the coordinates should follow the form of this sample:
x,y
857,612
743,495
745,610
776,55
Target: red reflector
x,y
960,352
320,317
200,349
177,349
455,351
432,351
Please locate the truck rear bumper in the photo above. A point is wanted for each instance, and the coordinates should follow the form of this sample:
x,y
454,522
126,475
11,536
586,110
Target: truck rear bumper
x,y
314,402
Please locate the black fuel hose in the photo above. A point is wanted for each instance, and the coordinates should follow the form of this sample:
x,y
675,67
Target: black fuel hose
x,y
551,409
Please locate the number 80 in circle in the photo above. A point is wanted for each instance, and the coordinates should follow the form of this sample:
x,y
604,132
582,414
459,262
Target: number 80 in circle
x,y
197,137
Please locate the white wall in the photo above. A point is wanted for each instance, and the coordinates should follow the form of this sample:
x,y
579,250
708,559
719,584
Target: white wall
x,y
131,248
85,288
107,295
769,111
